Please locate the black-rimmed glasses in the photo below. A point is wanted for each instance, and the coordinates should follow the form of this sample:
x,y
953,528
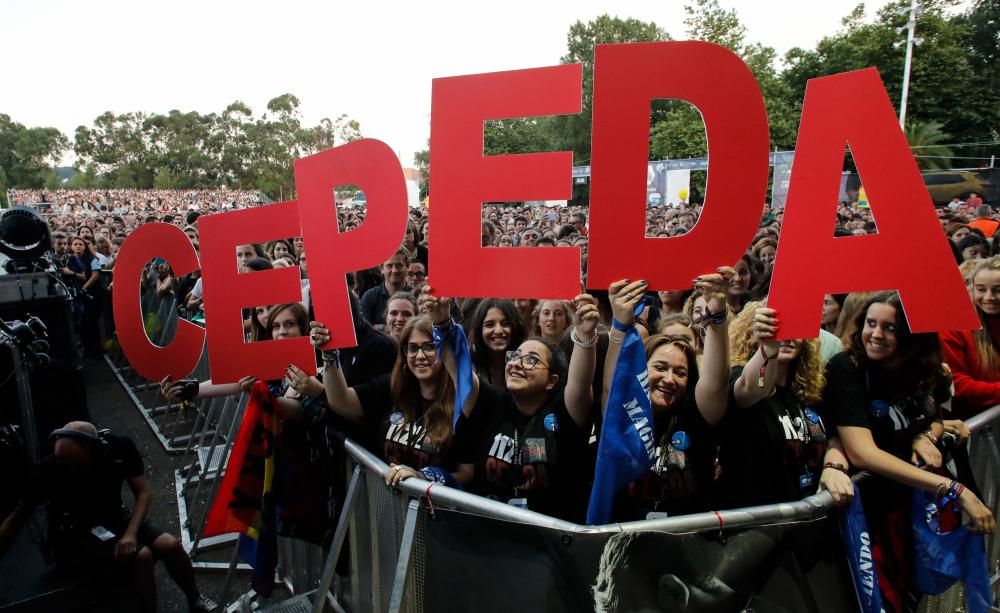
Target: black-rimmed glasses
x,y
428,349
528,361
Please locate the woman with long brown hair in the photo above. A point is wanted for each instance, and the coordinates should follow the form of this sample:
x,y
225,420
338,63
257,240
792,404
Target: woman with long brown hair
x,y
885,393
410,409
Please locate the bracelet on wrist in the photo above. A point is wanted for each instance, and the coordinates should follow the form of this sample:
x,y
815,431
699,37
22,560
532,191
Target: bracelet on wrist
x,y
715,319
763,367
331,356
573,336
929,436
614,339
836,466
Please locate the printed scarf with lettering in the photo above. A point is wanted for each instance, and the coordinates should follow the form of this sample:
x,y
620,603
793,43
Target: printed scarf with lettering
x,y
626,450
858,547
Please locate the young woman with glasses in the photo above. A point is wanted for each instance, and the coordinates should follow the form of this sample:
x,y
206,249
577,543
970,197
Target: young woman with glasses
x,y
410,410
530,441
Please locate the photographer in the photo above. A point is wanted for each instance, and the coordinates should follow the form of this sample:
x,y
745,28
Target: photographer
x,y
89,527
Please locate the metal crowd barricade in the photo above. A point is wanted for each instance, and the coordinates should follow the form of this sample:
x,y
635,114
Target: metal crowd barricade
x,y
389,529
984,458
202,431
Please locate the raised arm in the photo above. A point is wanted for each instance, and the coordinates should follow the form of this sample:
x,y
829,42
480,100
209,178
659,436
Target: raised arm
x,y
748,388
342,399
439,310
579,393
624,295
712,390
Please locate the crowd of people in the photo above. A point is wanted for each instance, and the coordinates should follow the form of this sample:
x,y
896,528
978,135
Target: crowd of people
x,y
739,419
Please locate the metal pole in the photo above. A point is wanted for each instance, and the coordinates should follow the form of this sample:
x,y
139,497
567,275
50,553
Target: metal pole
x,y
330,569
24,399
910,27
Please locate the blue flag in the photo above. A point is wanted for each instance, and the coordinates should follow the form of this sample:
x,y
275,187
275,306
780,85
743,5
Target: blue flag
x,y
627,449
857,546
454,338
942,558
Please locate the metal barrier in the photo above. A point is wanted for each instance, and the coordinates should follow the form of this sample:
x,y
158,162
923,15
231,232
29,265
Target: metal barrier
x,y
201,432
389,529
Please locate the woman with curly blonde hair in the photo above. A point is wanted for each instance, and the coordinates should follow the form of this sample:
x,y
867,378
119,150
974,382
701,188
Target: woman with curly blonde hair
x,y
775,446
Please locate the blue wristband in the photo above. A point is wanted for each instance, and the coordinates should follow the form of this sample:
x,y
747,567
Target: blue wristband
x,y
617,325
439,475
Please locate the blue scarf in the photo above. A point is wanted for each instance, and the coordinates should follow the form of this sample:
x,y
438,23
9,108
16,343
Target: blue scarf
x,y
627,447
453,337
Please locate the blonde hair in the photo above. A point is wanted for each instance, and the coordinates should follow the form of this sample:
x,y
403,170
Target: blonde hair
x,y
806,377
989,361
846,327
969,268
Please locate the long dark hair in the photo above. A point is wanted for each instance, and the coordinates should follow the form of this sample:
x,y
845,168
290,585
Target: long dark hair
x,y
406,388
480,354
919,370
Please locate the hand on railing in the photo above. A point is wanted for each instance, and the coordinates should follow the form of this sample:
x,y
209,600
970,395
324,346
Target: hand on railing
x,y
400,472
838,484
980,516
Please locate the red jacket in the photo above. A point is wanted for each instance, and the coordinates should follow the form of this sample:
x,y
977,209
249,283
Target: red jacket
x,y
975,389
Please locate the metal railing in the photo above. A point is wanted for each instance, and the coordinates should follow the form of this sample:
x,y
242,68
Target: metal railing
x,y
388,527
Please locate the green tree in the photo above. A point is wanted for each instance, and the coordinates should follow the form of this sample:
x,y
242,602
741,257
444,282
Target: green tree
x,y
926,139
680,132
572,132
422,159
949,79
28,154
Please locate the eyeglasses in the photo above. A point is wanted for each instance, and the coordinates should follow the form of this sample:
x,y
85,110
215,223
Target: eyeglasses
x,y
528,361
416,274
428,349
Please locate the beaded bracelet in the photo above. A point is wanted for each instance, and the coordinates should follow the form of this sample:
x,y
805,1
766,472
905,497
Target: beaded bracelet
x,y
580,343
331,356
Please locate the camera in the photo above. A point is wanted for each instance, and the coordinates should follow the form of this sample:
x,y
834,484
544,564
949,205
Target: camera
x,y
189,388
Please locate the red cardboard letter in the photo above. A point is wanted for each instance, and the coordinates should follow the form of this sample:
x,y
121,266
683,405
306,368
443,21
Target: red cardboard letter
x,y
148,241
909,252
226,292
714,79
464,178
371,165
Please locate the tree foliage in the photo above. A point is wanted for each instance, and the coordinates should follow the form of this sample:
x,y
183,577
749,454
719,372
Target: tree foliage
x,y
27,154
189,150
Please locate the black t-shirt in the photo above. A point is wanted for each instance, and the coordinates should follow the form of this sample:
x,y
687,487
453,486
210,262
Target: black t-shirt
x,y
540,457
681,478
770,452
865,398
406,442
92,496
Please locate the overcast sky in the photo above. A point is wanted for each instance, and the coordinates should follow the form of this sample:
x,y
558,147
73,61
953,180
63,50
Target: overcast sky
x,y
66,62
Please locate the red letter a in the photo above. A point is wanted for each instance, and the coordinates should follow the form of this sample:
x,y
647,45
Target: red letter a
x,y
909,253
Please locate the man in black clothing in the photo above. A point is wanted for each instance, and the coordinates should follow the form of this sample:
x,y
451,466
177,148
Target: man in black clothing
x,y
88,524
394,280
